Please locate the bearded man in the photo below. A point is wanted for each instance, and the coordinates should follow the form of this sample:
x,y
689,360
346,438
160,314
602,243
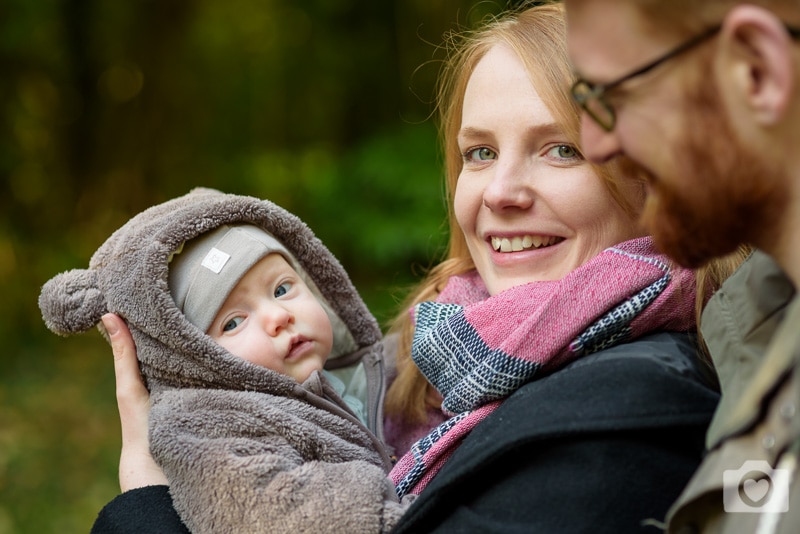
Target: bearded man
x,y
704,96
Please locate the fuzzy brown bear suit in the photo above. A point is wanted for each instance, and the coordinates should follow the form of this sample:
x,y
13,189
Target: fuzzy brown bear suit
x,y
245,449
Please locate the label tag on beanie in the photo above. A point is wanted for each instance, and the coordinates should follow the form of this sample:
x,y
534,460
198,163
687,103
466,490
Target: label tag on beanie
x,y
215,260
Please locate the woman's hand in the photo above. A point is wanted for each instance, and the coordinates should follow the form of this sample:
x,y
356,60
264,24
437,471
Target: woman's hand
x,y
137,468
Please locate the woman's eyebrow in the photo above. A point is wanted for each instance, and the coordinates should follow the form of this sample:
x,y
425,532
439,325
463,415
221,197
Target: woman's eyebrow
x,y
542,129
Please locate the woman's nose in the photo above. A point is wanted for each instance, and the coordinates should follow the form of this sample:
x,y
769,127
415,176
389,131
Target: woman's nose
x,y
511,186
597,144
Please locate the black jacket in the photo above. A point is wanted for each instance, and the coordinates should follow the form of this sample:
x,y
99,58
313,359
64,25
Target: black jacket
x,y
605,444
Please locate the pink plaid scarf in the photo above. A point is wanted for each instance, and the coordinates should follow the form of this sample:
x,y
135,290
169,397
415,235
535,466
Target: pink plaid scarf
x,y
477,350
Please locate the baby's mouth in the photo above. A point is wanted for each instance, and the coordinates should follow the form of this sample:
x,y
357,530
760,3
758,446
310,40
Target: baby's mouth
x,y
296,345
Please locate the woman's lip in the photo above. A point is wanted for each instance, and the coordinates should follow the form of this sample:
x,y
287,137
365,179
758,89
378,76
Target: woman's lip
x,y
525,255
521,242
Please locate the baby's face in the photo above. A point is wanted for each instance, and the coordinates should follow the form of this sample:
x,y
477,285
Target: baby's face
x,y
272,319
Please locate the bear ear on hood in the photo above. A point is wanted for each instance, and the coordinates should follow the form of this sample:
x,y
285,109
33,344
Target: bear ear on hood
x,y
71,302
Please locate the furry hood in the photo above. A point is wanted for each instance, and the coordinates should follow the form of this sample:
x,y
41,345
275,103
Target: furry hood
x,y
128,276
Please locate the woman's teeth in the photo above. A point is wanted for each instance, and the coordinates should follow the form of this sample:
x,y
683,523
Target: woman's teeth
x,y
515,244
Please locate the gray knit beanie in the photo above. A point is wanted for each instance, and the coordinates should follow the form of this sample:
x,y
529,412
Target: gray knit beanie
x,y
205,271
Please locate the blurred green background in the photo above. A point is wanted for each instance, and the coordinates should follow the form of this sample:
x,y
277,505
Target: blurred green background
x,y
108,107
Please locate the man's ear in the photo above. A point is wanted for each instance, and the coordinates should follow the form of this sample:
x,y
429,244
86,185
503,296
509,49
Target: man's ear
x,y
756,62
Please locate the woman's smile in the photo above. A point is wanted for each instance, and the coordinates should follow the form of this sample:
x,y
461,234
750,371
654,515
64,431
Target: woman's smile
x,y
524,242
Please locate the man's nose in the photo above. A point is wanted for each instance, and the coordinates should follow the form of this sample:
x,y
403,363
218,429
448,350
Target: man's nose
x,y
597,144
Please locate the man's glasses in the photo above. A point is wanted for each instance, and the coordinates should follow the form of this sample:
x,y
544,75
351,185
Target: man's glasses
x,y
592,98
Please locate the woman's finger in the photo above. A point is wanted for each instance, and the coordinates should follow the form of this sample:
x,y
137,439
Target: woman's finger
x,y
136,466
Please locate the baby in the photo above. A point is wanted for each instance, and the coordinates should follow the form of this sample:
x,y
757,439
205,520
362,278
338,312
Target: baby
x,y
236,308
243,288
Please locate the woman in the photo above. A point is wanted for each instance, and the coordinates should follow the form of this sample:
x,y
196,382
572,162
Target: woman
x,y
556,455
538,37
600,432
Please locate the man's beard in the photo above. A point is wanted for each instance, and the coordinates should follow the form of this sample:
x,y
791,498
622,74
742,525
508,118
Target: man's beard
x,y
723,194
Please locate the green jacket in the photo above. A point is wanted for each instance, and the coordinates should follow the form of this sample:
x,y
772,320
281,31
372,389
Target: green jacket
x,y
749,480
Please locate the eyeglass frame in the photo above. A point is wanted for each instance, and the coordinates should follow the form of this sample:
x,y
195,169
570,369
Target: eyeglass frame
x,y
598,91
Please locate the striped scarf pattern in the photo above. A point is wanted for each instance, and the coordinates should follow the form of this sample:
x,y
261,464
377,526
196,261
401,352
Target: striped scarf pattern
x,y
477,349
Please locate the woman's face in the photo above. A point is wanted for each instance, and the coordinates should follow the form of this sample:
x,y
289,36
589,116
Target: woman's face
x,y
531,208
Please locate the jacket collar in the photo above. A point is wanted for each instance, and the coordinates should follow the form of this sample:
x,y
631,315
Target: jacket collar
x,y
741,325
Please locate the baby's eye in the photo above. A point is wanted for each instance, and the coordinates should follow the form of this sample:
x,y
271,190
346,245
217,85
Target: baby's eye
x,y
233,323
480,153
282,289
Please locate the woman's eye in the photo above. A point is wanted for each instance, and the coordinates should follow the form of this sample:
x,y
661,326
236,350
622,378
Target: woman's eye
x,y
481,153
565,152
282,289
233,323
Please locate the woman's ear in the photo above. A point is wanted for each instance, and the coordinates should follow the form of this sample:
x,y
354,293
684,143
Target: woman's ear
x,y
756,64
